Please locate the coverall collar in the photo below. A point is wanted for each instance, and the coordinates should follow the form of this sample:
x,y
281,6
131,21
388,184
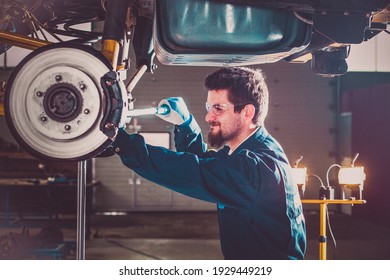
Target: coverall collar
x,y
258,136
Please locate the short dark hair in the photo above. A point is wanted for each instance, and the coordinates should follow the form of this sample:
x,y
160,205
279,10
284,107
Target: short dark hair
x,y
244,86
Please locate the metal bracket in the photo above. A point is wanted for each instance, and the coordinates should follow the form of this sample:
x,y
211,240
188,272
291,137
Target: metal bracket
x,y
346,27
113,113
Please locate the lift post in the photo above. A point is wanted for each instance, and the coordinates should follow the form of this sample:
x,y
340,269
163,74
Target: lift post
x,y
81,208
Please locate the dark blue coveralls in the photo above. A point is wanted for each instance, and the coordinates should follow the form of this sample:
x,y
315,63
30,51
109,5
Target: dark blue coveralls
x,y
259,209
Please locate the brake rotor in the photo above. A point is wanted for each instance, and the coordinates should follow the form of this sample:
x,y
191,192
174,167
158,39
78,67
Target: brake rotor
x,y
54,102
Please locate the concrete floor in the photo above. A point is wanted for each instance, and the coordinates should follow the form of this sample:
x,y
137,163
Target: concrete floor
x,y
194,236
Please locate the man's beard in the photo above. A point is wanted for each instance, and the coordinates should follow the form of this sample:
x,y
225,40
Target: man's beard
x,y
217,140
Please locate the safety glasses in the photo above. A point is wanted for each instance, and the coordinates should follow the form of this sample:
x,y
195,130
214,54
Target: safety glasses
x,y
219,108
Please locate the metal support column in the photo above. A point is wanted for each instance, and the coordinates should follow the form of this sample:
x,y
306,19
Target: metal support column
x,y
81,209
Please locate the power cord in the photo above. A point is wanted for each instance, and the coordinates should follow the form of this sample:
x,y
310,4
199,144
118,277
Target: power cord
x,y
331,232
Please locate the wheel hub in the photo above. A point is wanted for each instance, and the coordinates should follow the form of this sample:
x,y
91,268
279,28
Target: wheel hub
x,y
62,102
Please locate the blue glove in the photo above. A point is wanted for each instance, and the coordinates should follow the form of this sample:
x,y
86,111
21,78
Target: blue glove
x,y
178,112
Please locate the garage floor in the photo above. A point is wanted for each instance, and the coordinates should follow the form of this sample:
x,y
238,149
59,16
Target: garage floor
x,y
181,236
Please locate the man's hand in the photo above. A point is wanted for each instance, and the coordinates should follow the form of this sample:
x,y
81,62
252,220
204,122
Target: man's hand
x,y
178,112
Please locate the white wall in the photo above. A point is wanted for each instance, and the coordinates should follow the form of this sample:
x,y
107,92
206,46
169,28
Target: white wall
x,y
371,56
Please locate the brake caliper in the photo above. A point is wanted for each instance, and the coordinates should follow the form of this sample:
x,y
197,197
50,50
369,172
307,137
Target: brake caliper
x,y
116,103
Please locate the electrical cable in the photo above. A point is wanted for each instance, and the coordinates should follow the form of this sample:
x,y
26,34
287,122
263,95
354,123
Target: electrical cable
x,y
318,177
327,173
331,232
33,24
297,161
72,12
354,159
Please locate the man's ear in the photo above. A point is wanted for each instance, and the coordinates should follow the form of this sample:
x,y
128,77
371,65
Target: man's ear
x,y
249,111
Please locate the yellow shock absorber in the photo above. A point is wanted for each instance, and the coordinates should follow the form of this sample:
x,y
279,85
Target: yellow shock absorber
x,y
2,89
110,49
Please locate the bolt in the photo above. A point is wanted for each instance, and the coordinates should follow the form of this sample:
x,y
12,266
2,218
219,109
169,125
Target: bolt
x,y
43,119
58,78
39,93
86,111
109,126
117,150
82,86
67,127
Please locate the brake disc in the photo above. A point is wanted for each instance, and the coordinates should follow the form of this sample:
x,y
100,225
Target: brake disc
x,y
55,103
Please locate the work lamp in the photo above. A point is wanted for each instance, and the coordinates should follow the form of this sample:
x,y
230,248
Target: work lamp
x,y
353,178
299,176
